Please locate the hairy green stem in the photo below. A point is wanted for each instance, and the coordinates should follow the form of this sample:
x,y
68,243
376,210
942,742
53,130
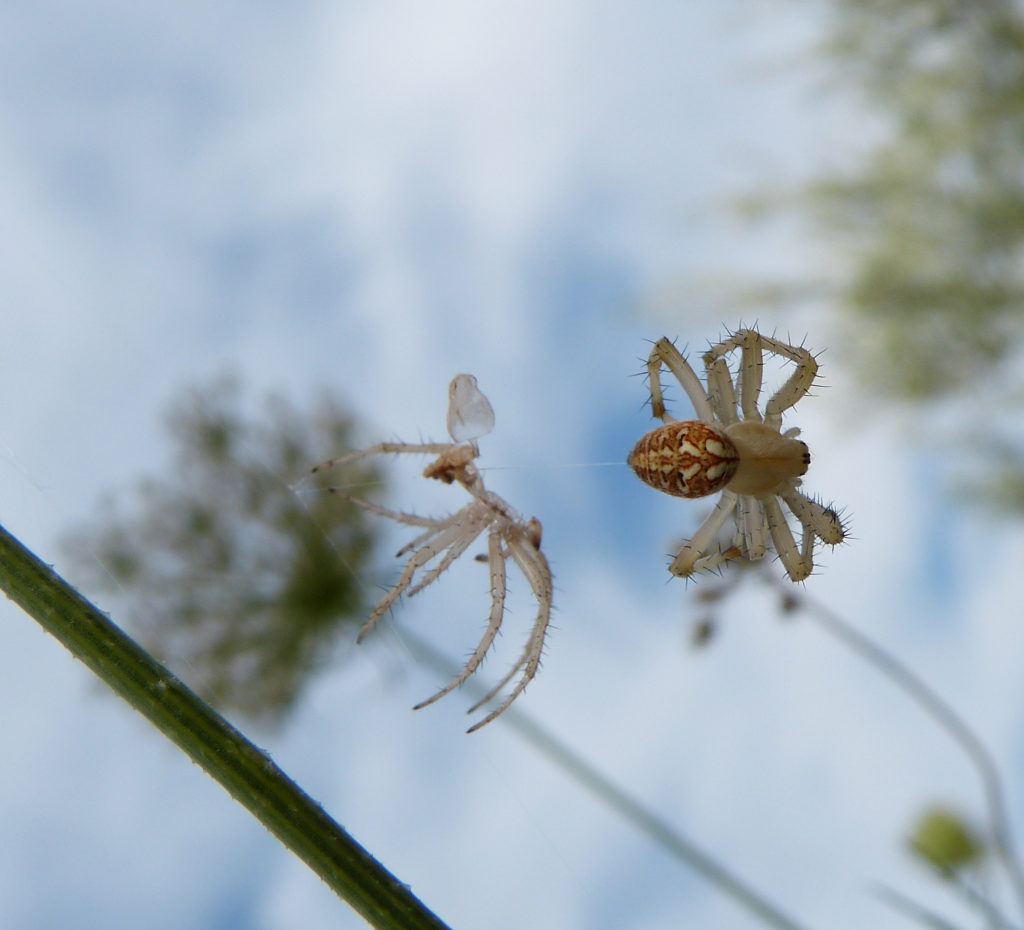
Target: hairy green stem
x,y
245,771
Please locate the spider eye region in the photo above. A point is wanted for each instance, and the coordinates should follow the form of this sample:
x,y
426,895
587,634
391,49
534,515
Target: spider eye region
x,y
687,458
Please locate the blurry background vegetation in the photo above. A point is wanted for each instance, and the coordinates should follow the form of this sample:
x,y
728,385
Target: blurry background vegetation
x,y
922,229
220,568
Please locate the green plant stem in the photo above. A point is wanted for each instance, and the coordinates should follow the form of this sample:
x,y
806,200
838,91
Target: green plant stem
x,y
612,796
944,715
245,771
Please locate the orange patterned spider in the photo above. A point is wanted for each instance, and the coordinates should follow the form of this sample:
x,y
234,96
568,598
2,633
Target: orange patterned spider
x,y
508,536
732,448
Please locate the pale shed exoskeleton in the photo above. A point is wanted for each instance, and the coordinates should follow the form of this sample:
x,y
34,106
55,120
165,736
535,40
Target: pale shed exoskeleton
x,y
444,539
733,448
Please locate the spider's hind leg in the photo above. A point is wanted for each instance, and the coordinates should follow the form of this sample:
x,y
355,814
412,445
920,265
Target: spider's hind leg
x,y
751,369
689,559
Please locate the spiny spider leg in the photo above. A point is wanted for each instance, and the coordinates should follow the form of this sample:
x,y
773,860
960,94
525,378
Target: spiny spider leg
x,y
434,526
535,569
382,448
415,561
751,368
694,548
410,519
823,521
472,525
722,391
796,563
665,353
496,563
752,525
796,386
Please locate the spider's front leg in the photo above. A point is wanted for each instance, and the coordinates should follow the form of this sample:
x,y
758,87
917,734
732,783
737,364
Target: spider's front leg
x,y
751,370
383,448
665,353
796,386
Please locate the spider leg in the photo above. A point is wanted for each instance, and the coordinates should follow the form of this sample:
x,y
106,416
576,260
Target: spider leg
x,y
709,562
753,526
382,448
434,525
685,561
664,353
751,369
535,569
451,533
796,386
411,519
472,524
721,391
496,561
798,563
818,519
424,538
520,662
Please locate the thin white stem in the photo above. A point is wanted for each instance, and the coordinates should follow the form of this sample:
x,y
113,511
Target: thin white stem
x,y
944,715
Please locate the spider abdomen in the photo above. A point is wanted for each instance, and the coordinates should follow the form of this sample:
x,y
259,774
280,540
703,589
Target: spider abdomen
x,y
687,458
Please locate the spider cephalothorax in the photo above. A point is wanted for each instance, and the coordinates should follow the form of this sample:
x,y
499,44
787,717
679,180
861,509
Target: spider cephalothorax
x,y
735,449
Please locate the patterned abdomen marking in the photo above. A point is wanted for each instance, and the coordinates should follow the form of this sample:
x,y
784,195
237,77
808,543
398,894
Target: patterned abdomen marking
x,y
687,458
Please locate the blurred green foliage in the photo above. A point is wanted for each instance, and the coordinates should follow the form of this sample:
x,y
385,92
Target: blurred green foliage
x,y
236,567
921,220
932,217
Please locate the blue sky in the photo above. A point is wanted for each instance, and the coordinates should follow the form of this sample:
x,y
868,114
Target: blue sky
x,y
378,197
